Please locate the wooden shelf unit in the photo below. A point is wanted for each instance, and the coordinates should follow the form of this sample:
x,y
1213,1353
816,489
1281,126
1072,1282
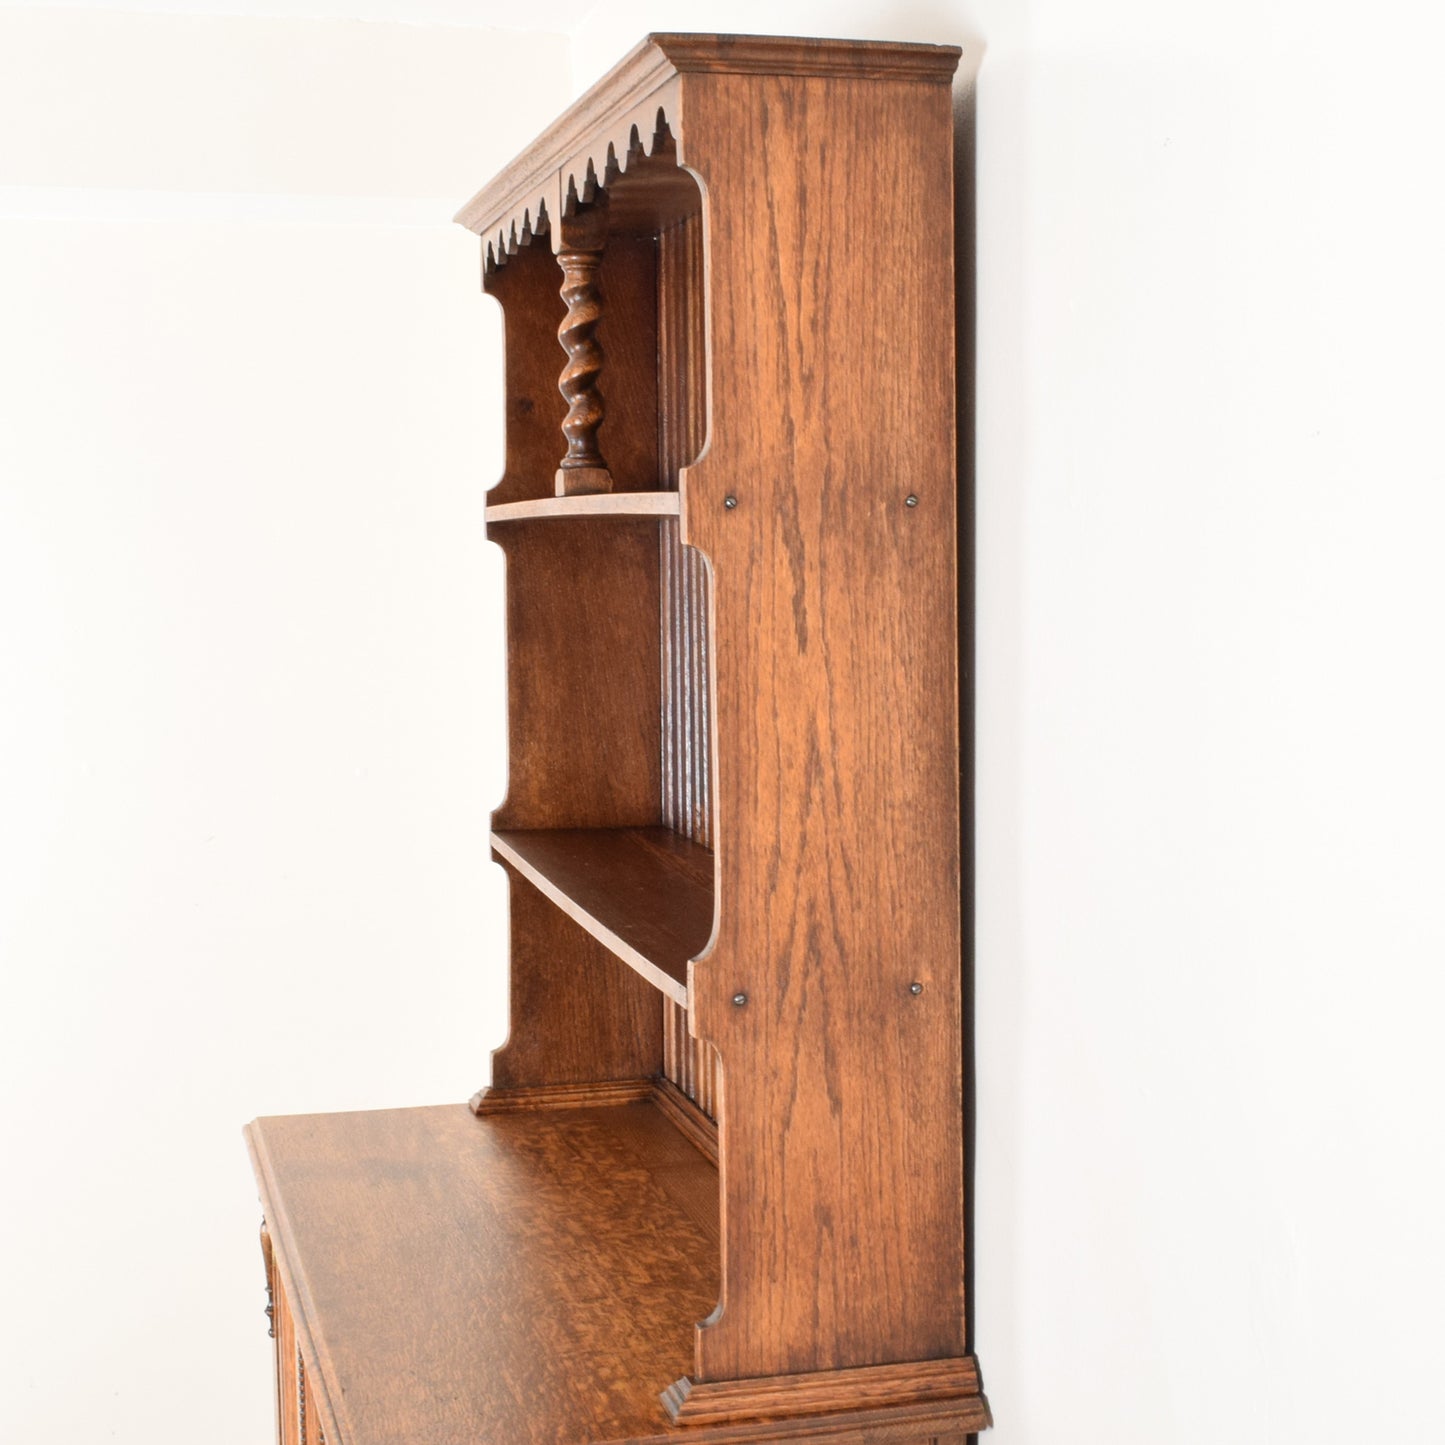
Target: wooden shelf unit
x,y
714,1189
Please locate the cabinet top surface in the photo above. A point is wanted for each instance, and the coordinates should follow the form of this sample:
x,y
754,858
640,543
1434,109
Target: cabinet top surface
x,y
531,1278
664,55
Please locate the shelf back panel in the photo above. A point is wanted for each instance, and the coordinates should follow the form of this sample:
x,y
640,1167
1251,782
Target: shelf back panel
x,y
528,289
583,674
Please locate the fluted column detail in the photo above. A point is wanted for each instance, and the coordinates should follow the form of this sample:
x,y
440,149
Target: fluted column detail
x,y
583,240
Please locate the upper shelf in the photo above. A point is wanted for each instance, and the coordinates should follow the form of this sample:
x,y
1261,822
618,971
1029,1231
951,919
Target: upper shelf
x,y
600,504
644,893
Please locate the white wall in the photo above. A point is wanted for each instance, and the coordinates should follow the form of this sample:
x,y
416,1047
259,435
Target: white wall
x,y
1211,502
249,720
249,689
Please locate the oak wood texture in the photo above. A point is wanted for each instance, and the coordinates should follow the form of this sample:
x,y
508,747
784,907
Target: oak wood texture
x,y
617,117
512,1280
607,1092
678,1108
532,310
732,827
605,504
579,1014
820,493
644,893
687,731
687,1115
690,1063
583,675
831,1390
288,1396
467,1280
584,238
836,714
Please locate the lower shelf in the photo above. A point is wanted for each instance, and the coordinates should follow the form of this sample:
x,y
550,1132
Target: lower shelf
x,y
520,1278
644,893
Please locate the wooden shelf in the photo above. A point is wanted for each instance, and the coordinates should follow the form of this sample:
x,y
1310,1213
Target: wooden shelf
x,y
644,893
601,504
522,1278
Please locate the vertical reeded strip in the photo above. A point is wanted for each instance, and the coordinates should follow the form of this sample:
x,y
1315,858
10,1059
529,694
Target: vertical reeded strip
x,y
686,700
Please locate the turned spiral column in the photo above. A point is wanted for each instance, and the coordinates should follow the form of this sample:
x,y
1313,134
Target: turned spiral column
x,y
584,237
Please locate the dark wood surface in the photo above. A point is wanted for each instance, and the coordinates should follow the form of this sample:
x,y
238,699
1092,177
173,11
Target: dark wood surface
x,y
584,237
527,1279
522,1279
836,713
645,893
773,672
621,100
918,1381
583,674
579,1014
528,292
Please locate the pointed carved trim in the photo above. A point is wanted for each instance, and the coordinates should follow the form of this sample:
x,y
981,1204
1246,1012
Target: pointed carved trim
x,y
620,131
871,1387
650,74
516,231
645,130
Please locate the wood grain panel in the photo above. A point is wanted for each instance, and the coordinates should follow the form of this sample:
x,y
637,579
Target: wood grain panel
x,y
830,1391
687,741
834,606
692,1064
628,381
645,893
583,674
527,1278
579,1014
528,290
687,735
646,78
520,1279
288,1396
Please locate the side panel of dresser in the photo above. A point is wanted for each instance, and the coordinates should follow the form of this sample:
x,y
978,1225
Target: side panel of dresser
x,y
826,504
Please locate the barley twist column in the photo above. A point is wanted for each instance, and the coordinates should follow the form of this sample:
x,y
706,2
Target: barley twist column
x,y
584,237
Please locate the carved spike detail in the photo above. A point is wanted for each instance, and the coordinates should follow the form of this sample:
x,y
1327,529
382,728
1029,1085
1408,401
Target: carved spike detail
x,y
646,128
644,131
582,469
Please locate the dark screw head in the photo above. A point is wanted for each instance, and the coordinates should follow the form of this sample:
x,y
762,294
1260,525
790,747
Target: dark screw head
x,y
910,500
915,988
739,999
730,502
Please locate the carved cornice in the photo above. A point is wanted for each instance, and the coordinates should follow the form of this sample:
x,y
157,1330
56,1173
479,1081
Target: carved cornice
x,y
520,213
793,55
